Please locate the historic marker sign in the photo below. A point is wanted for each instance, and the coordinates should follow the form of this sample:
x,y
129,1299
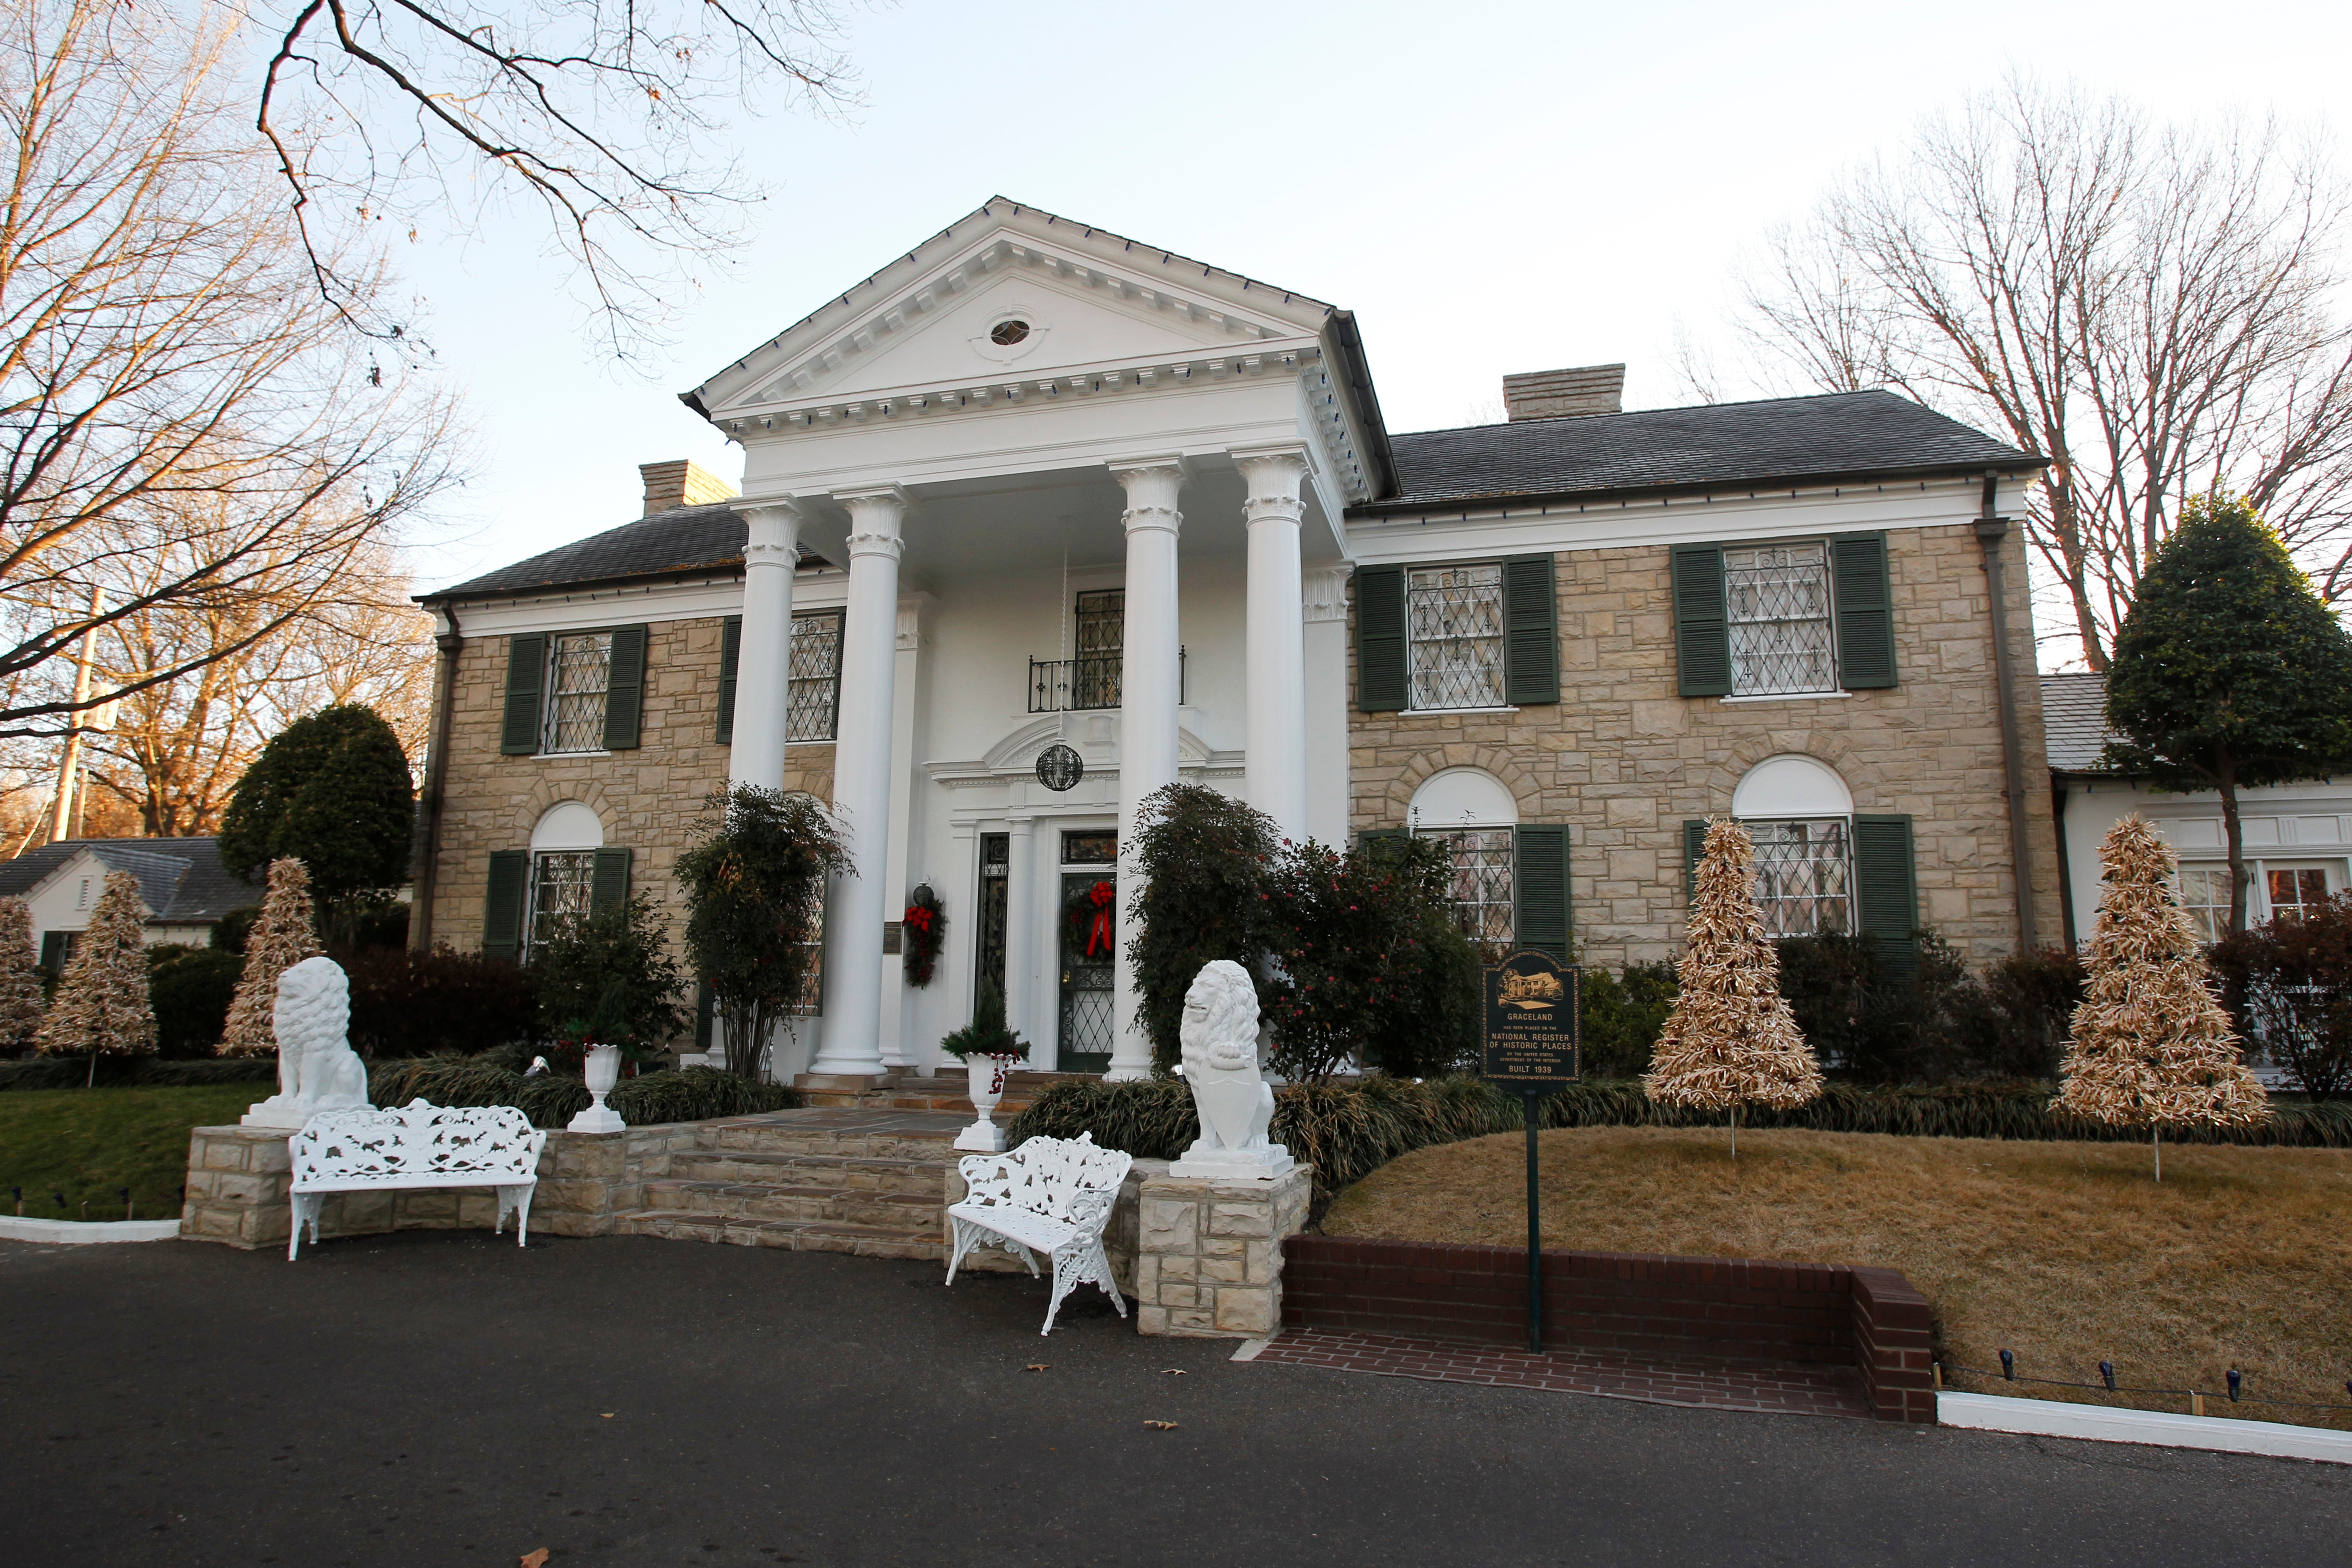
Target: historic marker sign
x,y
1530,1025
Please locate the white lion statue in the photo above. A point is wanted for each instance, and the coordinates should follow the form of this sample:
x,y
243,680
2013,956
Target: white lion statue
x,y
1219,1040
316,1069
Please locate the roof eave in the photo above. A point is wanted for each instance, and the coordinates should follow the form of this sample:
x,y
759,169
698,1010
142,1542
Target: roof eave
x,y
2023,463
1347,345
459,595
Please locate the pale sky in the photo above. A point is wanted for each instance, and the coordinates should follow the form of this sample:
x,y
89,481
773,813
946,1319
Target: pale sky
x,y
1490,187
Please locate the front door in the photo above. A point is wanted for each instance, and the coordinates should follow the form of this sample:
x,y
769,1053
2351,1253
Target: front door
x,y
1088,923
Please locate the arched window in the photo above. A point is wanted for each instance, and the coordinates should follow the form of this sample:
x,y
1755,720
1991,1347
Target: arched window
x,y
1476,816
1801,814
563,868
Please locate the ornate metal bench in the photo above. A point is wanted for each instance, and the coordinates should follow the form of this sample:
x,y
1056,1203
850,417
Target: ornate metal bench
x,y
1052,1195
418,1145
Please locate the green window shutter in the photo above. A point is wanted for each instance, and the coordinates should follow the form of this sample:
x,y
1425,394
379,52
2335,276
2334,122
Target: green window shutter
x,y
526,675
731,657
1886,889
1530,631
53,951
1373,837
608,880
1866,611
502,910
1693,845
1702,624
702,1018
624,695
1541,918
1381,683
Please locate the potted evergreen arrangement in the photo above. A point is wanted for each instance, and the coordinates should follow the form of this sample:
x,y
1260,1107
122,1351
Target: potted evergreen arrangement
x,y
989,1052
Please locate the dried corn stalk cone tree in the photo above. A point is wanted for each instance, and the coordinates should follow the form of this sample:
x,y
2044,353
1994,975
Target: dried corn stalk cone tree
x,y
20,981
1730,1040
102,1008
283,936
2152,1046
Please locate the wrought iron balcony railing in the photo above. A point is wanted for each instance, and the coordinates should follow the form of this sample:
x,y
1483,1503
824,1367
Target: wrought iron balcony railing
x,y
1079,685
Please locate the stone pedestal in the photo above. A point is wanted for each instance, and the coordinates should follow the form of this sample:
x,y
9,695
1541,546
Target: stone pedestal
x,y
1208,1257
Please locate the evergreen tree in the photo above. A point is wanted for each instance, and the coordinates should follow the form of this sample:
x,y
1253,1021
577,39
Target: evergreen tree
x,y
20,981
1199,862
755,883
332,790
1730,1040
285,934
102,1008
2152,1046
2229,673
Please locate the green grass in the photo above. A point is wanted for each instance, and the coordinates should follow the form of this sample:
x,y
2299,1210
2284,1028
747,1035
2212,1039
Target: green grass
x,y
91,1144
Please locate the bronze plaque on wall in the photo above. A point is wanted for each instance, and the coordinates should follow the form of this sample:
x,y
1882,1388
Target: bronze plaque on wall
x,y
1529,1036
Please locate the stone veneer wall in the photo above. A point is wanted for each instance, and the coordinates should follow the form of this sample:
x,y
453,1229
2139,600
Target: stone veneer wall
x,y
240,1187
1625,761
647,797
1208,1254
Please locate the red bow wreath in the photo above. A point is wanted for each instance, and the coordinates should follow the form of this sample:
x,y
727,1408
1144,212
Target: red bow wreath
x,y
1098,933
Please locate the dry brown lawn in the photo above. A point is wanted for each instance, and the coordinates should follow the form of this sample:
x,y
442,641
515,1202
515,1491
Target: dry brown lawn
x,y
2068,1254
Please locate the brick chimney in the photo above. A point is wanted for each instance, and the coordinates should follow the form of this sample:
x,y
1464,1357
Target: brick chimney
x,y
681,481
1554,394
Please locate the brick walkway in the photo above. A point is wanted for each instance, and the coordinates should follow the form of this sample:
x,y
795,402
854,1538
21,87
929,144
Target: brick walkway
x,y
1784,1387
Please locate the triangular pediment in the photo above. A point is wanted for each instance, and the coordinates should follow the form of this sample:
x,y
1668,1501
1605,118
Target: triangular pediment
x,y
943,316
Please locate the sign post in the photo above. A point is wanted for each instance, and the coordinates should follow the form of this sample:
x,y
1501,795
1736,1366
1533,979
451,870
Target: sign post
x,y
1528,1045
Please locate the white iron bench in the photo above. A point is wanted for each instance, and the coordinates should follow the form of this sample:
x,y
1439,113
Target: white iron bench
x,y
418,1145
1052,1195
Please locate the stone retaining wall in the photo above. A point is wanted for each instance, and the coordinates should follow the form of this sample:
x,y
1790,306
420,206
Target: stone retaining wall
x,y
240,1182
1640,1303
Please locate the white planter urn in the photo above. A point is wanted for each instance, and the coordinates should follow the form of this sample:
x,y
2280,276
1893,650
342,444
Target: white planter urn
x,y
984,1077
603,1070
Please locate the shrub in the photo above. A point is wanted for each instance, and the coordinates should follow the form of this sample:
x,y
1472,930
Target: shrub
x,y
1619,1018
416,1003
2029,1001
2290,983
610,979
229,932
694,1094
1928,1022
190,988
754,881
1201,858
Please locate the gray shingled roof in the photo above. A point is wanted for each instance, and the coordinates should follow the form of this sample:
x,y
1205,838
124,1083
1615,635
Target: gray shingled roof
x,y
2075,721
1780,441
682,540
180,881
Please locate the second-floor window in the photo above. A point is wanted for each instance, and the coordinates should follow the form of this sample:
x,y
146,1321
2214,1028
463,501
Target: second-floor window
x,y
579,679
1777,599
1454,639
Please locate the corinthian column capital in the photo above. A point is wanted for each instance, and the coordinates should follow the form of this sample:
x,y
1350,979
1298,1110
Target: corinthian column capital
x,y
771,532
876,518
1152,485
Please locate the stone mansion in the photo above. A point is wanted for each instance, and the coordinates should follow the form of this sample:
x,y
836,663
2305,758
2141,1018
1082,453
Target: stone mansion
x,y
1037,519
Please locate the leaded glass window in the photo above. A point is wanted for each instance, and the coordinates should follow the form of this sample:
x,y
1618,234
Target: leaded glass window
x,y
813,700
579,674
1455,618
1778,597
2205,894
1484,888
559,889
1804,877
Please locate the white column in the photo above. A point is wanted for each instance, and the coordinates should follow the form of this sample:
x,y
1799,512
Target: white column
x,y
902,1005
1274,649
763,653
861,786
1150,685
1326,602
1021,938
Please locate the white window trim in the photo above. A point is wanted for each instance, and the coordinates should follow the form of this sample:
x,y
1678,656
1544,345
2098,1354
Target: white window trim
x,y
1787,696
1438,712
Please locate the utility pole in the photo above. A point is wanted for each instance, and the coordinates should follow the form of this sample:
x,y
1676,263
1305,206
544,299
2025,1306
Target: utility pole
x,y
65,817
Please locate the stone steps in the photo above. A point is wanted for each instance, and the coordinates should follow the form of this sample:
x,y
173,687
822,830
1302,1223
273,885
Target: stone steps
x,y
764,1200
800,1235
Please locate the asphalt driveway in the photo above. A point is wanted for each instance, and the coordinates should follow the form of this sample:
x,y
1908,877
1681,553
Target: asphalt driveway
x,y
442,1398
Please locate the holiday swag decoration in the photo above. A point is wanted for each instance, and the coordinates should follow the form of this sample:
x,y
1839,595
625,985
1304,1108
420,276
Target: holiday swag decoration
x,y
1089,914
2152,1047
1730,1040
925,926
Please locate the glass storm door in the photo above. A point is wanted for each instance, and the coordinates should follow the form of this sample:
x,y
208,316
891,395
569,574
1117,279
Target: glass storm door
x,y
1088,922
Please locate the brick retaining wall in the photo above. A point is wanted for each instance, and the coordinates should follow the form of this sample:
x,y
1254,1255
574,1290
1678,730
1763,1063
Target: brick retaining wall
x,y
1642,1304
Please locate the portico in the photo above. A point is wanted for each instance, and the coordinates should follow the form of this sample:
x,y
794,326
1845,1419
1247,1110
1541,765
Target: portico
x,y
1020,432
